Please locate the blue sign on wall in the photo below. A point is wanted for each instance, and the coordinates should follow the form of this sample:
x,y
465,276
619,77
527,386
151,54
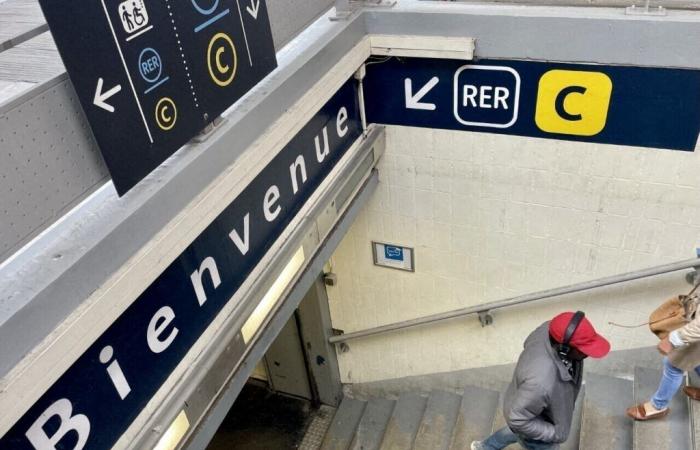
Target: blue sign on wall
x,y
97,398
151,74
647,107
392,252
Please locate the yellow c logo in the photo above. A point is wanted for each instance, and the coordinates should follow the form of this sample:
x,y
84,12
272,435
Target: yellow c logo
x,y
573,102
221,48
166,113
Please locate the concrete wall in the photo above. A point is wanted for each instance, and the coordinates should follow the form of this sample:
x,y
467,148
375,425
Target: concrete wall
x,y
289,17
497,216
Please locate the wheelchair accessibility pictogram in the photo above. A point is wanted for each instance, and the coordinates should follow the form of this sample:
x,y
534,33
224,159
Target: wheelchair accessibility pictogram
x,y
222,60
133,15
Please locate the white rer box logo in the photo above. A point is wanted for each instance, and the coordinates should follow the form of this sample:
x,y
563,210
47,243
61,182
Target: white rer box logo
x,y
486,96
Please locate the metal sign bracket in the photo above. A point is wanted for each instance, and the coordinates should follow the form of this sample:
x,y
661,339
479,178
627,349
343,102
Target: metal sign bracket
x,y
209,130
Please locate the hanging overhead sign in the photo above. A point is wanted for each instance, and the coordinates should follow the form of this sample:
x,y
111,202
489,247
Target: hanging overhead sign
x,y
150,74
95,400
647,107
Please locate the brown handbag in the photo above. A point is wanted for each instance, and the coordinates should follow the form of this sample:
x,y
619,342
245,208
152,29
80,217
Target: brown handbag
x,y
674,313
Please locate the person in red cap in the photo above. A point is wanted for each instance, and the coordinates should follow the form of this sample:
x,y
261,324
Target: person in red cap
x,y
539,403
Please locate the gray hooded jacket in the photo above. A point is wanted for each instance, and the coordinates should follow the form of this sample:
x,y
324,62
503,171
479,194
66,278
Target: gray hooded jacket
x,y
539,402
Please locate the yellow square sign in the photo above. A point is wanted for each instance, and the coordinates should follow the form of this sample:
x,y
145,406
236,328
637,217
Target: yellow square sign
x,y
573,102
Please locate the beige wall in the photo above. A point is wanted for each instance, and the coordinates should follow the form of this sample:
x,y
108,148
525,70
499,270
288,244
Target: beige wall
x,y
495,216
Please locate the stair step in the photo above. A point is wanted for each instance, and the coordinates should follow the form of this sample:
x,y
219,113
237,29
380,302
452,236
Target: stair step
x,y
475,417
435,430
405,420
342,430
572,443
671,433
375,419
604,425
694,380
499,420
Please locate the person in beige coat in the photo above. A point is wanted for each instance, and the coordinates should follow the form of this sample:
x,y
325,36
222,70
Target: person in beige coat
x,y
681,350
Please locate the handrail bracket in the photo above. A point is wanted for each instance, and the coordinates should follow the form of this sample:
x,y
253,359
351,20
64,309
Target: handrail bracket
x,y
485,318
343,347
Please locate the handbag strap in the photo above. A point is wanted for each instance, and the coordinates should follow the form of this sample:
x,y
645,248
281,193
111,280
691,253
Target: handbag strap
x,y
650,322
692,291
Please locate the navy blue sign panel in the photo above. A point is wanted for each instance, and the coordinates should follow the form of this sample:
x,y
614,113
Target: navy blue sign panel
x,y
151,74
97,398
647,107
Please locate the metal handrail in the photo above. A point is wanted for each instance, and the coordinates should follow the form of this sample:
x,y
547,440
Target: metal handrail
x,y
484,308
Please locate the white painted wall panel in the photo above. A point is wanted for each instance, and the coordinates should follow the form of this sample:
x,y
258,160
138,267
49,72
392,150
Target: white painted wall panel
x,y
496,216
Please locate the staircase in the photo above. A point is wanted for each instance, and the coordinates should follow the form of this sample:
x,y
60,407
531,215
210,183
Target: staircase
x,y
444,420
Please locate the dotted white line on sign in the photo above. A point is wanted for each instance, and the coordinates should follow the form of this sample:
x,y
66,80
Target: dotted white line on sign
x,y
182,54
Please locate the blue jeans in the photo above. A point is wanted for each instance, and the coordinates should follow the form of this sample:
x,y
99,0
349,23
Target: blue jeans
x,y
671,381
504,437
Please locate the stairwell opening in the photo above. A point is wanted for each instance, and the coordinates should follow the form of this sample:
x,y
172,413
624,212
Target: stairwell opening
x,y
289,399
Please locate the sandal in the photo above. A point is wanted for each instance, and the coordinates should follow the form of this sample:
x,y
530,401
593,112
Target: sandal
x,y
639,413
692,392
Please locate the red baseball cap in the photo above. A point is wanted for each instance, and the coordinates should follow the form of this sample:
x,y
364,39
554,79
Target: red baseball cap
x,y
585,338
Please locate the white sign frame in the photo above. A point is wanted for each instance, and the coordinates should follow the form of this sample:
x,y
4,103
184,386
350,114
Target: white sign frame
x,y
407,263
516,100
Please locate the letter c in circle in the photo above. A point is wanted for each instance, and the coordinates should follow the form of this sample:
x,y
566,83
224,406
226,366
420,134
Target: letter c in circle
x,y
165,117
220,49
166,113
561,98
222,68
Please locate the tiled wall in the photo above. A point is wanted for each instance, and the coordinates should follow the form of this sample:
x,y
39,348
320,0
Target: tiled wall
x,y
495,216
